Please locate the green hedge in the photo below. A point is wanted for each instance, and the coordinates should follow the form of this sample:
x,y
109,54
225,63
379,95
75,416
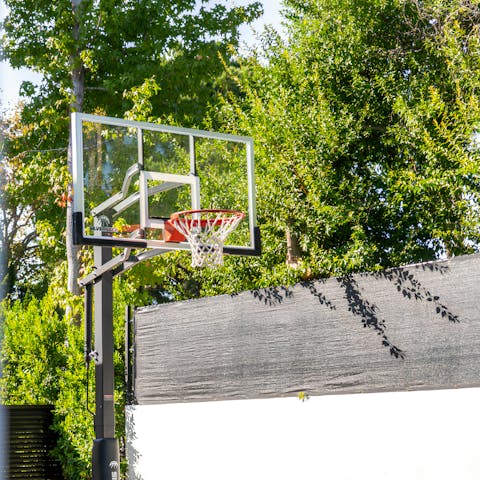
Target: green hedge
x,y
42,360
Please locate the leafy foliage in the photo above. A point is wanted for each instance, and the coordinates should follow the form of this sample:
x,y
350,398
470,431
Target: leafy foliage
x,y
365,125
42,363
120,44
107,57
33,179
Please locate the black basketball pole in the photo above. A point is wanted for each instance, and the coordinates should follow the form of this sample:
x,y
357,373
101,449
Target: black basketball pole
x,y
105,456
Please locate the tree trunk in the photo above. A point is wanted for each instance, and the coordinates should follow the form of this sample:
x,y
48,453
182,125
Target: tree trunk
x,y
78,83
294,253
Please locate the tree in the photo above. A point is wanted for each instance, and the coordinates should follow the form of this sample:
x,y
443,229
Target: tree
x,y
91,52
365,123
31,191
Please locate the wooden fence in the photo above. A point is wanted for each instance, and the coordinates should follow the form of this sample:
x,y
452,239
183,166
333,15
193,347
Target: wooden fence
x,y
28,442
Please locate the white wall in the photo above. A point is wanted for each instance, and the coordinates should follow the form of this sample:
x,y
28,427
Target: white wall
x,y
384,436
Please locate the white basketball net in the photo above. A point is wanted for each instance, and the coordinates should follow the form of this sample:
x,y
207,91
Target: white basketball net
x,y
206,231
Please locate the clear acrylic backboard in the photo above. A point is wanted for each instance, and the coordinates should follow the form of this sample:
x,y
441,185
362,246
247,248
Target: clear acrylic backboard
x,y
130,177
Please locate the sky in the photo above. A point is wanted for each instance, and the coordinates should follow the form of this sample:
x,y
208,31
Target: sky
x,y
11,79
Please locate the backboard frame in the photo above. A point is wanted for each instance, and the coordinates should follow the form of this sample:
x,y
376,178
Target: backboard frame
x,y
80,237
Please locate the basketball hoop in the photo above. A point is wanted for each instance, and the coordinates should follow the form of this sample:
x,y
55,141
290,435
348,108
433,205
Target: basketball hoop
x,y
206,231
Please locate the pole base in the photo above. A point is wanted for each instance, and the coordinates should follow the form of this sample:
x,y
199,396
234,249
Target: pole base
x,y
106,459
